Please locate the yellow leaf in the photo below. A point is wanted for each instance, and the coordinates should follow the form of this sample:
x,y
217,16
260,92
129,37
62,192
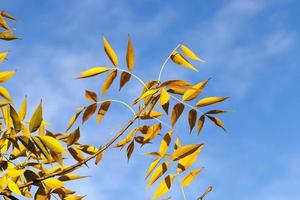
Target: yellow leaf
x,y
36,119
73,197
73,137
194,91
158,172
102,110
125,77
127,139
23,109
12,186
16,120
201,121
73,119
15,172
3,56
192,118
107,83
130,55
164,145
5,94
153,164
110,52
164,96
152,132
3,23
184,151
52,143
187,161
180,60
7,35
148,93
189,53
3,182
188,179
53,183
93,72
217,122
89,111
91,96
164,186
210,100
69,177
176,112
98,158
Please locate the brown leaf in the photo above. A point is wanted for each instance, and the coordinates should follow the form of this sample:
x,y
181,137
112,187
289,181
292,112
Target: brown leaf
x,y
89,111
125,77
201,121
192,118
176,112
91,96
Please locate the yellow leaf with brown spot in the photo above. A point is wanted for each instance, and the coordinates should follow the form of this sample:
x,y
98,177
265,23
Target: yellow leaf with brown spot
x,y
187,161
73,137
107,83
164,145
176,112
184,151
164,186
102,110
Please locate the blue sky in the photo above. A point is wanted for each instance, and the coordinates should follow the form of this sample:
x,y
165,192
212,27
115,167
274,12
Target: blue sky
x,y
252,53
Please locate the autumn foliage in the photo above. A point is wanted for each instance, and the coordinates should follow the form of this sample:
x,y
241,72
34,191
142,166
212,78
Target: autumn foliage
x,y
32,158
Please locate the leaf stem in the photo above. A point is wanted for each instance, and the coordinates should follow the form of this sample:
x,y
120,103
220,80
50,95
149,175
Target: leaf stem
x,y
165,62
120,102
